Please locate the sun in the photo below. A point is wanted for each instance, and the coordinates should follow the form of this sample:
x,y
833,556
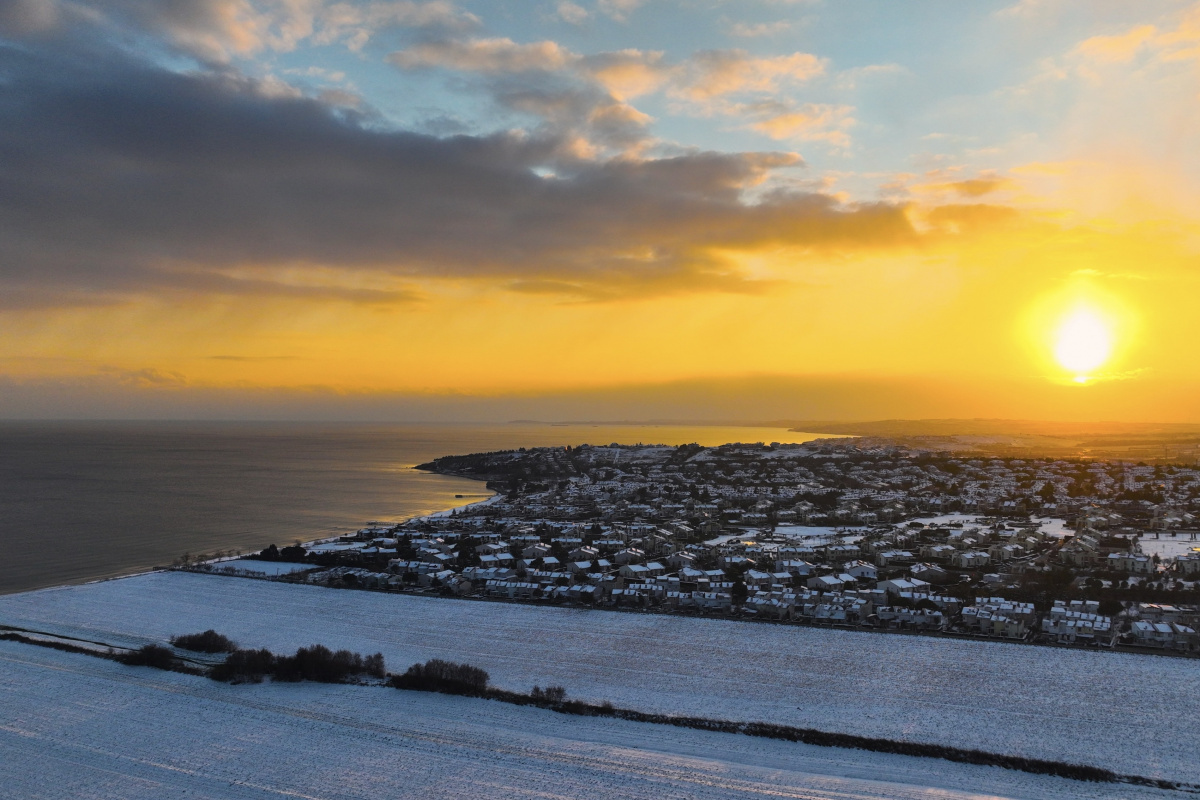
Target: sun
x,y
1083,343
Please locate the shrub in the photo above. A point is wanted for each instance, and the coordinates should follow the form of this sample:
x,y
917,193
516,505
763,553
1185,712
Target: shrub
x,y
152,655
436,675
319,663
244,666
316,663
373,666
551,694
208,642
293,552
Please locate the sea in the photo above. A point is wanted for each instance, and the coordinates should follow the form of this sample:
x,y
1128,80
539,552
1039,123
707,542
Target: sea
x,y
83,501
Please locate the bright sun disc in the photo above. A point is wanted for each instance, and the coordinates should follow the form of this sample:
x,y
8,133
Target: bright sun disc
x,y
1083,343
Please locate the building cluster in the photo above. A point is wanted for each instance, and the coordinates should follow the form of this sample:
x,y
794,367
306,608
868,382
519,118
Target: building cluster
x,y
823,533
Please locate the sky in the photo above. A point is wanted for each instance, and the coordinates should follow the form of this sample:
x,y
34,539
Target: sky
x,y
604,209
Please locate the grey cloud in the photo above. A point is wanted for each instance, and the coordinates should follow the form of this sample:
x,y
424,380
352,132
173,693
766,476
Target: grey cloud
x,y
25,17
117,177
216,30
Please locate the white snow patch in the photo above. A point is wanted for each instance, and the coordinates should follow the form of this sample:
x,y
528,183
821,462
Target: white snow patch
x,y
76,726
265,568
1057,704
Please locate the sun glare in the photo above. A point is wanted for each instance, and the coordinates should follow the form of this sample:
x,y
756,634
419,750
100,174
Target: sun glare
x,y
1083,343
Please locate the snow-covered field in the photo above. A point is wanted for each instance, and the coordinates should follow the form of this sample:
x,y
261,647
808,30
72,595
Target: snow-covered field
x,y
1168,546
75,726
1051,526
250,565
1130,713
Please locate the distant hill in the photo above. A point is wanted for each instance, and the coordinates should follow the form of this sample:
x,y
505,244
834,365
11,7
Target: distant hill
x,y
989,427
1131,441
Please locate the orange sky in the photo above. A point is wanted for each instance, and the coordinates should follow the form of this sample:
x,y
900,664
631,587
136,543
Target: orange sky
x,y
367,268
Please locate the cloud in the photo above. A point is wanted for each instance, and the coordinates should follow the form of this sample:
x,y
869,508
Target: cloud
x,y
618,10
547,80
499,55
218,30
543,78
962,218
1117,49
851,78
354,24
252,359
1176,39
716,73
747,30
626,74
25,17
970,187
147,378
572,13
120,178
809,122
705,76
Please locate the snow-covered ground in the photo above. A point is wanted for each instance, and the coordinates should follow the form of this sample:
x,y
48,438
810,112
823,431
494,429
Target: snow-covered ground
x,y
818,532
1167,546
75,726
1127,712
1051,526
253,566
800,534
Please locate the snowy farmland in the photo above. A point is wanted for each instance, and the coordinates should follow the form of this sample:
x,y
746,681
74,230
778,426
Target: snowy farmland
x,y
1129,713
261,568
77,726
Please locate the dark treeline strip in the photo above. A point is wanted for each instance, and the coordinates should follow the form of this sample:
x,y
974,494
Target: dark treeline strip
x,y
446,677
316,663
151,655
424,677
63,646
207,642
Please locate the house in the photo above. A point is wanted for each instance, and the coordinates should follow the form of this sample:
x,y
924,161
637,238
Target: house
x,y
1133,563
794,566
638,572
755,578
1005,552
630,555
1165,634
712,601
970,559
930,573
887,558
825,583
435,578
900,585
938,552
1070,625
861,570
1188,564
584,554
681,560
535,551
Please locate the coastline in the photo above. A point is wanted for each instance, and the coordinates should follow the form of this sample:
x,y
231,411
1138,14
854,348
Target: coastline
x,y
148,569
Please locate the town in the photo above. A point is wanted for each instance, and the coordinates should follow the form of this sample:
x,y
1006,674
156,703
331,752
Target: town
x,y
838,532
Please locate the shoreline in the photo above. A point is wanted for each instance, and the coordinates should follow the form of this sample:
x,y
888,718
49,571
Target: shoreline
x,y
151,569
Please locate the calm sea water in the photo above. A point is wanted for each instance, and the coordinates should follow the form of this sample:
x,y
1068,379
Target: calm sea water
x,y
86,500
